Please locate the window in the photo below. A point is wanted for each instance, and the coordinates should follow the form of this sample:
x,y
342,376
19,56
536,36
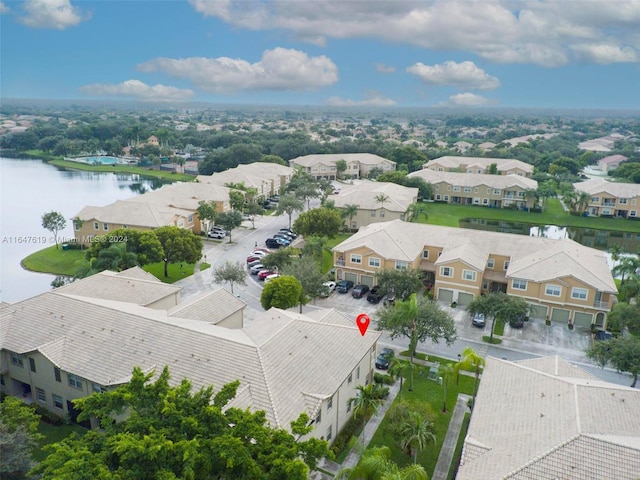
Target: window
x,y
98,388
381,213
373,213
190,219
40,395
374,262
623,201
329,432
485,201
319,417
519,284
446,198
17,360
75,381
438,197
485,285
553,290
356,258
358,373
595,199
467,189
425,254
521,194
456,189
350,379
95,225
475,190
446,272
401,265
56,372
330,404
181,223
105,226
348,406
579,293
491,263
32,365
632,213
469,275
57,401
506,264
77,225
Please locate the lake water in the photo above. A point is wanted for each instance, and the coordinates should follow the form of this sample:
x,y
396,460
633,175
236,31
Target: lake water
x,y
30,188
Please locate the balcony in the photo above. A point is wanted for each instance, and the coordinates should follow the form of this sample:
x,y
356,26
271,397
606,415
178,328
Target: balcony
x,y
608,203
340,262
602,305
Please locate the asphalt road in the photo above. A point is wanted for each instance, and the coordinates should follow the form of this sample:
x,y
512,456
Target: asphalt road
x,y
243,243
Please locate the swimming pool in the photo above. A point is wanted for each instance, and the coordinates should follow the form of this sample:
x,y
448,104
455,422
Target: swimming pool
x,y
100,160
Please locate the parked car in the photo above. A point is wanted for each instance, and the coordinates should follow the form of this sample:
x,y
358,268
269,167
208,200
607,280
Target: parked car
x,y
253,263
264,250
268,278
384,358
247,217
330,287
390,299
256,256
603,335
344,286
284,236
256,269
275,199
262,274
219,229
517,322
375,295
284,241
216,234
478,320
289,232
273,243
359,291
267,206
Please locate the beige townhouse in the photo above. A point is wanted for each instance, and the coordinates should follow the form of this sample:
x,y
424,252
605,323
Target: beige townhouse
x,y
376,202
496,191
359,165
266,178
611,199
504,166
70,342
560,279
544,418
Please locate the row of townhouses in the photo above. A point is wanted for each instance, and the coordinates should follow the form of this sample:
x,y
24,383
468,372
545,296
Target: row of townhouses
x,y
611,199
88,336
359,165
176,204
503,166
560,279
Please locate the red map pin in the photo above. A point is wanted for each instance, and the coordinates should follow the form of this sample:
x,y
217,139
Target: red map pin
x,y
363,321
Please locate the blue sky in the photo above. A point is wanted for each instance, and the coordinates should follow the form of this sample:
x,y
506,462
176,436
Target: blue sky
x,y
564,54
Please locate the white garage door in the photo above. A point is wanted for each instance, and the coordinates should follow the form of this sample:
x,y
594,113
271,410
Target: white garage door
x,y
538,311
464,299
582,319
445,295
560,315
351,276
366,280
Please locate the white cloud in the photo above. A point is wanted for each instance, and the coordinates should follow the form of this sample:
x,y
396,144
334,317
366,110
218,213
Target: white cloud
x,y
371,99
603,54
467,100
56,14
3,8
529,31
138,90
382,68
462,75
279,69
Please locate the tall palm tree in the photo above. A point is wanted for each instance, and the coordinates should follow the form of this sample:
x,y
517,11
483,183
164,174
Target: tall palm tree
x,y
376,464
447,371
582,202
470,359
627,266
416,433
366,403
398,368
349,211
381,198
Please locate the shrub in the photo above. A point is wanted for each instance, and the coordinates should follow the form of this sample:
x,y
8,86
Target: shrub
x,y
570,325
454,304
382,393
383,378
344,437
48,417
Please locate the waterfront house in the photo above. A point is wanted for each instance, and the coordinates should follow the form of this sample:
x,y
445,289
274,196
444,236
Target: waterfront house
x,y
504,166
611,199
359,165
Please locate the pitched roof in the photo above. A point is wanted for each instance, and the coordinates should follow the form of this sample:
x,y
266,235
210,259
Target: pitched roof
x,y
332,158
613,159
475,179
184,195
405,241
212,307
550,426
280,358
364,195
453,161
597,186
133,213
252,175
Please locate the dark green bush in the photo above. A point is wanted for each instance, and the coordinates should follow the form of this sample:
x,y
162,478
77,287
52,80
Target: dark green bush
x,y
383,378
342,439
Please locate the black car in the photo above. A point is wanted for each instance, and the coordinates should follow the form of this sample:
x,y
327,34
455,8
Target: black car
x,y
384,358
517,322
375,295
344,286
602,335
272,243
359,291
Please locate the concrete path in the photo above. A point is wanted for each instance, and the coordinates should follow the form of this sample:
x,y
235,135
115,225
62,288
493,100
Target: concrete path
x,y
451,439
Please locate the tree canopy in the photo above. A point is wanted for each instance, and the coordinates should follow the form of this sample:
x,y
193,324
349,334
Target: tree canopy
x,y
402,282
229,221
143,243
18,438
309,276
178,245
174,433
499,306
54,222
623,353
283,292
289,204
232,272
323,222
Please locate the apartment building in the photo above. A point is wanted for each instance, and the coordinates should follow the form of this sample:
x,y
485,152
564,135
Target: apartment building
x,y
359,165
504,166
611,199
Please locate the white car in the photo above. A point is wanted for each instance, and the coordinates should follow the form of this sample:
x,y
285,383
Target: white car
x,y
331,286
255,269
271,277
216,234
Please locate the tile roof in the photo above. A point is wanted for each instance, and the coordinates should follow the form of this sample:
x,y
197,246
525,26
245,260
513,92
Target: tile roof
x,y
475,179
133,213
281,358
184,195
364,195
332,158
253,175
212,307
453,161
400,240
597,186
550,426
613,159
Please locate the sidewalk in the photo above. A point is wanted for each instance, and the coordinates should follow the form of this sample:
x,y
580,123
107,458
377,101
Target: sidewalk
x,y
451,439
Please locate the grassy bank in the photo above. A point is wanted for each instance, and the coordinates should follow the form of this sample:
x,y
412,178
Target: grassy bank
x,y
450,215
55,261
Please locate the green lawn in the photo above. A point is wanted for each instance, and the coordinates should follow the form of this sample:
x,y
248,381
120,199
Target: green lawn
x,y
327,256
176,271
458,453
55,261
450,215
145,172
425,391
53,434
498,329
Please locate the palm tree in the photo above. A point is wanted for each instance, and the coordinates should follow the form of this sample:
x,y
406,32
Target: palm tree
x,y
376,464
447,370
470,359
582,202
366,403
349,211
398,368
416,432
627,266
381,198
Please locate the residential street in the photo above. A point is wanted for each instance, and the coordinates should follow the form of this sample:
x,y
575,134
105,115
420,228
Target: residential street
x,y
535,339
